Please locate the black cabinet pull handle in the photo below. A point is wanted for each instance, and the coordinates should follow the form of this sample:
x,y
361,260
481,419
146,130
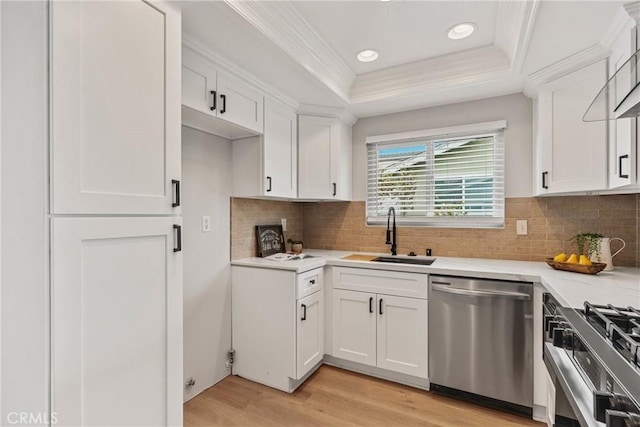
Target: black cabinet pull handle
x,y
371,305
176,202
214,100
178,229
381,306
620,175
304,312
224,104
312,281
268,184
544,180
334,189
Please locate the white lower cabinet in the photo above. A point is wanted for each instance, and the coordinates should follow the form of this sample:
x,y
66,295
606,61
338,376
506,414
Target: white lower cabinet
x,y
278,325
354,326
309,333
550,414
385,331
116,321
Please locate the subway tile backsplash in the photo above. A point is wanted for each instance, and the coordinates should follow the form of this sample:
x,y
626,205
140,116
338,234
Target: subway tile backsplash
x,y
552,221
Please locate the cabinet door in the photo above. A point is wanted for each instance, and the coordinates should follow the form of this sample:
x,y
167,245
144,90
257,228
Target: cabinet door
x,y
402,335
550,414
115,107
573,154
280,151
622,135
198,84
317,142
354,326
116,314
239,104
309,333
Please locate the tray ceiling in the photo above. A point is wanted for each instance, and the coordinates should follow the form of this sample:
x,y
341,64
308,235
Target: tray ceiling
x,y
307,49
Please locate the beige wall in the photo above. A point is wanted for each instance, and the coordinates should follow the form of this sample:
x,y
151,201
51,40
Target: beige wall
x,y
247,213
551,222
515,109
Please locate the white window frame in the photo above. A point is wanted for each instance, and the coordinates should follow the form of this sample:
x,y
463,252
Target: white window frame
x,y
476,129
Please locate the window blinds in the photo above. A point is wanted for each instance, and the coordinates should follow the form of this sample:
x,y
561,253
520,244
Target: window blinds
x,y
438,181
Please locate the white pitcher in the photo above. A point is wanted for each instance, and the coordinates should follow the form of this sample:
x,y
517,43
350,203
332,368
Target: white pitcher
x,y
603,254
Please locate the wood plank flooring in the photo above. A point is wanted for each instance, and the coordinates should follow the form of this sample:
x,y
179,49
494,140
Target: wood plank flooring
x,y
335,397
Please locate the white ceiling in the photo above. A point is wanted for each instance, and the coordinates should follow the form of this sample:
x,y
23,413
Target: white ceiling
x,y
400,31
306,49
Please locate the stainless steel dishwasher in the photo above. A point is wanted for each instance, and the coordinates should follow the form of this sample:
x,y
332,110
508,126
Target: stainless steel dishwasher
x,y
480,340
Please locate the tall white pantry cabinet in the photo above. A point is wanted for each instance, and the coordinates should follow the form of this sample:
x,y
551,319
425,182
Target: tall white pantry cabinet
x,y
116,261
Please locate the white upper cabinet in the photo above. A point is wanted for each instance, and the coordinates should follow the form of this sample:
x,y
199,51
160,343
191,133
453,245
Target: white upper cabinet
x,y
280,150
324,158
571,154
208,92
238,103
622,132
115,108
266,166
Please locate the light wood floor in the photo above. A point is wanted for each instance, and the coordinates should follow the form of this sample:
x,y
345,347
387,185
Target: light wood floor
x,y
335,397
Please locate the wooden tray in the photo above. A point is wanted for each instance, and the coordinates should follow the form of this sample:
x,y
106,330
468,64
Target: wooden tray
x,y
595,268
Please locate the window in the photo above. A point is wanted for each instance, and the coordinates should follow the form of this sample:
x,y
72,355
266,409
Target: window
x,y
450,177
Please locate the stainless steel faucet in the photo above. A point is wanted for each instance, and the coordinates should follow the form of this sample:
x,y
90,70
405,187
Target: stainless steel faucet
x,y
392,241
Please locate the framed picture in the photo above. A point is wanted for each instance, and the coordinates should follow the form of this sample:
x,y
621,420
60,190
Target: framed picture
x,y
270,240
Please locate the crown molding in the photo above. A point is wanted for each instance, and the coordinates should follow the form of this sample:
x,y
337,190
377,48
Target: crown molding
x,y
621,22
633,9
565,66
331,112
527,18
281,23
439,73
219,61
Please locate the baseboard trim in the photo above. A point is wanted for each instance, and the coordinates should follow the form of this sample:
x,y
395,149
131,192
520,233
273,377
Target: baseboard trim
x,y
422,383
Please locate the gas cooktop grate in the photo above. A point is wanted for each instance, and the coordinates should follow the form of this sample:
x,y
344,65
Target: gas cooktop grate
x,y
621,326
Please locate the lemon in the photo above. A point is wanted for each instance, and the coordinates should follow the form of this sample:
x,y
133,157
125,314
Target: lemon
x,y
560,257
584,260
573,259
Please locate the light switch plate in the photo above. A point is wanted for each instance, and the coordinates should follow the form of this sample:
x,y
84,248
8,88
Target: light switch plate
x,y
521,227
206,224
284,224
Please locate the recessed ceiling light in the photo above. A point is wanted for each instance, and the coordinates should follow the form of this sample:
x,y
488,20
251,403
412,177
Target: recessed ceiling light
x,y
367,55
461,31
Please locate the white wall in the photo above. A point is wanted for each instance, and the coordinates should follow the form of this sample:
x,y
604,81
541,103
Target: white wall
x,y
206,190
24,293
516,109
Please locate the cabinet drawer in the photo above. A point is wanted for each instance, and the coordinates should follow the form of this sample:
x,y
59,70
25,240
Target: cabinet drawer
x,y
309,282
413,285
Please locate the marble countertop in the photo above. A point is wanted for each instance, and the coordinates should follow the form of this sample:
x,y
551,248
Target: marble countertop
x,y
620,287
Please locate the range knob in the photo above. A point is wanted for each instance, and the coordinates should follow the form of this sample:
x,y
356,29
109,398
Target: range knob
x,y
622,419
604,401
562,337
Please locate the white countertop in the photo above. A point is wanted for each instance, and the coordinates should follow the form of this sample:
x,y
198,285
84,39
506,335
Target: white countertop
x,y
620,287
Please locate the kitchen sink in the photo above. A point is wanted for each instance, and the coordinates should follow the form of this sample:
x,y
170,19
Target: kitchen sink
x,y
396,260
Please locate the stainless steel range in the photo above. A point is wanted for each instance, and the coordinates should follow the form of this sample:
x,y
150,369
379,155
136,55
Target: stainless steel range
x,y
593,354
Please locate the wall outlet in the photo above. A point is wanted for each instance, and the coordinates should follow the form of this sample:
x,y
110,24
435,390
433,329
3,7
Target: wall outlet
x,y
206,224
284,224
521,227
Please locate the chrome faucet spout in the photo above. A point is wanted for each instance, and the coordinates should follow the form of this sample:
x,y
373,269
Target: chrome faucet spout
x,y
391,233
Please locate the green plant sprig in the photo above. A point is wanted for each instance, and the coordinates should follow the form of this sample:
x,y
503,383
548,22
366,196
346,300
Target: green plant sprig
x,y
591,240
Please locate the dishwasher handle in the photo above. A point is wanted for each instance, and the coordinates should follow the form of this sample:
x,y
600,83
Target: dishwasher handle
x,y
476,293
